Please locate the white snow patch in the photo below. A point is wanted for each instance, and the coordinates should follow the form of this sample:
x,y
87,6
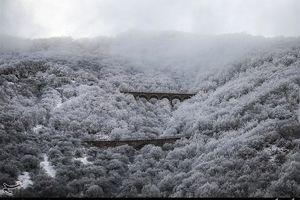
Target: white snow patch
x,y
272,151
83,160
10,83
103,137
24,180
37,128
58,105
47,166
2,193
130,166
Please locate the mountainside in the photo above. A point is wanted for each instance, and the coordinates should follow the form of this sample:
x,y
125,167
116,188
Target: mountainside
x,y
244,122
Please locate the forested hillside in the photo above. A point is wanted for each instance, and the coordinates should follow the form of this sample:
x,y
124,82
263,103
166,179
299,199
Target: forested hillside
x,y
243,123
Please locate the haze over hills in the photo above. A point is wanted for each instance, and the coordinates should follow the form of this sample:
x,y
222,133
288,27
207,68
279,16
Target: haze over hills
x,y
244,122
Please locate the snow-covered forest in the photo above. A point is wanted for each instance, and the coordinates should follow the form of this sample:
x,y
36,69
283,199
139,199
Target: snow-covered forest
x,y
243,123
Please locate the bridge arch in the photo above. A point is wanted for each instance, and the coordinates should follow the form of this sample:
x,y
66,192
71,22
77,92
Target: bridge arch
x,y
176,97
185,98
165,97
143,96
154,97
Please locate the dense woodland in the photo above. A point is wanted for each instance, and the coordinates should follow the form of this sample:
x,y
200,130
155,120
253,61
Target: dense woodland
x,y
244,122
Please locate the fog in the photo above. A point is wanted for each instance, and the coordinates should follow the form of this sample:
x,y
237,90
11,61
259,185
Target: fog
x,y
75,18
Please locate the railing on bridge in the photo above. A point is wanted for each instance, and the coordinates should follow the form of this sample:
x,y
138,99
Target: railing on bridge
x,y
136,143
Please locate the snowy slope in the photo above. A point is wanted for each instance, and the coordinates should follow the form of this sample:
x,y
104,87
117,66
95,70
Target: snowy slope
x,y
243,122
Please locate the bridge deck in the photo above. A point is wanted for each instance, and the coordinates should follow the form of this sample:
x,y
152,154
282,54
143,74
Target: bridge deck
x,y
136,143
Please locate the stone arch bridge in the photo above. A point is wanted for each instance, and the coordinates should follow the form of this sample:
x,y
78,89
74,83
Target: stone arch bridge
x,y
160,95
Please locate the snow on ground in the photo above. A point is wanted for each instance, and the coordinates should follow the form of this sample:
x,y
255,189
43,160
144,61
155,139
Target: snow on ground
x,y
83,160
58,105
37,128
272,151
48,167
2,193
24,180
103,137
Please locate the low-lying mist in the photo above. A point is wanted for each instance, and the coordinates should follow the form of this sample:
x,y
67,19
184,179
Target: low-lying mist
x,y
186,53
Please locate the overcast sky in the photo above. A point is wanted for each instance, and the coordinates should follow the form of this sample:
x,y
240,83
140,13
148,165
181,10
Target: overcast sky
x,y
89,18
